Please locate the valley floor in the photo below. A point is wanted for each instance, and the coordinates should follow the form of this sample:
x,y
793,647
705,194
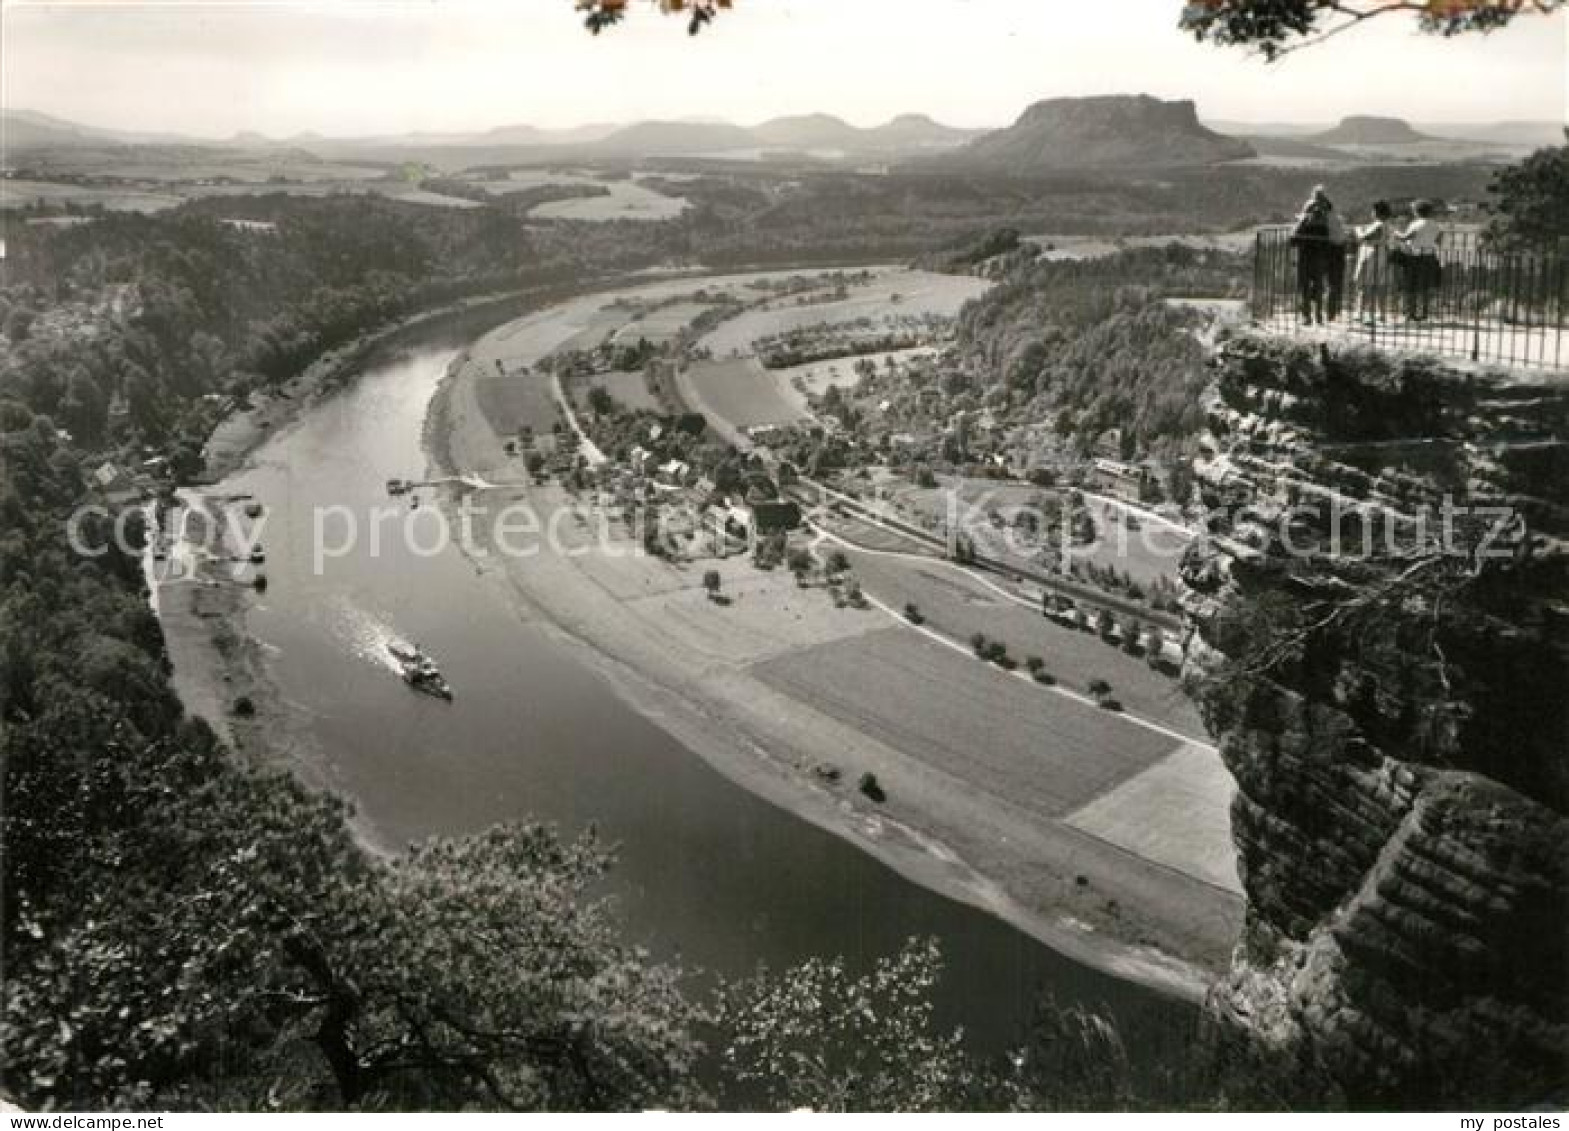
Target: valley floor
x,y
1103,835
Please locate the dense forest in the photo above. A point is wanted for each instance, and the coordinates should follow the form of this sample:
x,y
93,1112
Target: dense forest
x,y
1095,345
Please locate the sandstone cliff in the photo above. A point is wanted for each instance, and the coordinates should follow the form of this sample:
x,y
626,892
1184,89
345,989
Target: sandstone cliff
x,y
1396,720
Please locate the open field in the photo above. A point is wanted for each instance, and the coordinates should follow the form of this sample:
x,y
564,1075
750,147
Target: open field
x,y
1017,742
256,171
187,164
393,190
798,382
742,393
768,615
511,403
509,398
894,294
16,193
629,389
413,195
628,200
958,605
517,180
1177,813
662,325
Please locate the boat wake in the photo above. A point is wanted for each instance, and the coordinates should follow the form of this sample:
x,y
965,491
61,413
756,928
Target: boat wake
x,y
365,634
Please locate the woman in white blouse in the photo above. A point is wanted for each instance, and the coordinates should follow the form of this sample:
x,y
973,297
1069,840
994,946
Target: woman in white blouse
x,y
1372,266
1419,243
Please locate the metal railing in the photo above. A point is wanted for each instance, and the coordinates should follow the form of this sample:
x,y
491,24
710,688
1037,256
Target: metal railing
x,y
1469,300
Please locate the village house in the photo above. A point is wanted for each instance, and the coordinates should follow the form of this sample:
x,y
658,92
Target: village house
x,y
743,517
1125,480
674,473
115,484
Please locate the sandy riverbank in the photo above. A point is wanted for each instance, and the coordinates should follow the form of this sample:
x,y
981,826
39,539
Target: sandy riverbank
x,y
203,607
217,661
702,672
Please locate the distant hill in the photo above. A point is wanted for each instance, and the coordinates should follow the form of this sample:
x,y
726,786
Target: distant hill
x,y
917,131
1111,132
573,135
27,129
1367,130
1531,134
677,137
809,131
20,129
824,131
1516,133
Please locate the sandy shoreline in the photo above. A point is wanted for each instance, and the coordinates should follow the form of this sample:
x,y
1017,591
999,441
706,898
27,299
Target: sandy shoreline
x,y
642,623
217,661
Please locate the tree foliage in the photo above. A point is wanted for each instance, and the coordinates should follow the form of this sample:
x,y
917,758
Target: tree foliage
x,y
601,14
1531,201
1276,27
819,1036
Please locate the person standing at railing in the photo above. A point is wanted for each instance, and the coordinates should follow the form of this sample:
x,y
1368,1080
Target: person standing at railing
x,y
1334,258
1317,254
1372,267
1418,259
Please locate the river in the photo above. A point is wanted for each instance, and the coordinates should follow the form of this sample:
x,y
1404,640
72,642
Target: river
x,y
707,873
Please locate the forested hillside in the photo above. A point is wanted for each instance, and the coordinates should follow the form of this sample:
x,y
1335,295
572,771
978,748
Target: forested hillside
x,y
1093,345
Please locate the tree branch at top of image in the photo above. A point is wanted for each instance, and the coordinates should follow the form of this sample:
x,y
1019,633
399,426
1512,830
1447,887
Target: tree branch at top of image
x,y
607,13
1273,27
1278,27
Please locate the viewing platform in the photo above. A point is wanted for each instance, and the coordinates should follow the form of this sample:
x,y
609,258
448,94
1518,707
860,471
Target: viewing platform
x,y
1471,302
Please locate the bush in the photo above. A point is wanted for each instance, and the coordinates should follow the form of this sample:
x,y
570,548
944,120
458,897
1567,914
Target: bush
x,y
913,614
244,708
1109,704
1035,664
1099,688
1044,678
872,789
978,642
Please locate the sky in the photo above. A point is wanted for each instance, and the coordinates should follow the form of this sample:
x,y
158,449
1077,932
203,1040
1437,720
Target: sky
x,y
366,67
